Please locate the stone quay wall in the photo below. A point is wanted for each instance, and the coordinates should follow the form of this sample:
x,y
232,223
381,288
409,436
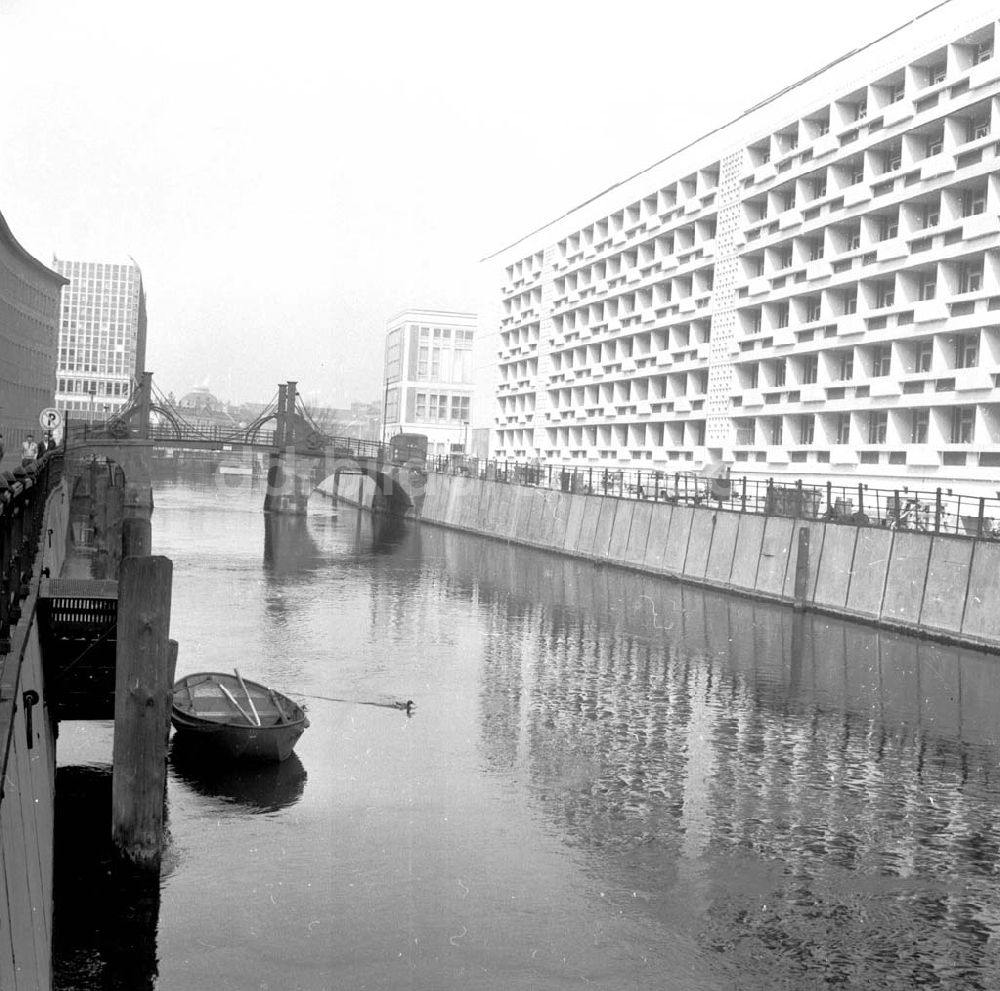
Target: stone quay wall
x,y
935,585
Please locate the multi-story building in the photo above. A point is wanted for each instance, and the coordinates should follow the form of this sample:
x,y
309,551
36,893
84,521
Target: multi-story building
x,y
29,317
102,336
812,289
428,376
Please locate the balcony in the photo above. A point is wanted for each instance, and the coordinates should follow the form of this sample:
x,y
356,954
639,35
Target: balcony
x,y
843,454
776,456
825,144
789,218
936,165
850,324
860,193
894,247
812,393
752,398
929,310
980,226
897,112
973,379
984,73
883,386
922,455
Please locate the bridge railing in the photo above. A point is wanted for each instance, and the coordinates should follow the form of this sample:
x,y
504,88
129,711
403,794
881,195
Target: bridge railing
x,y
935,511
22,508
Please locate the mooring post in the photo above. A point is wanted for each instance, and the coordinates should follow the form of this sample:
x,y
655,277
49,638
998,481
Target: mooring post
x,y
137,537
802,569
143,682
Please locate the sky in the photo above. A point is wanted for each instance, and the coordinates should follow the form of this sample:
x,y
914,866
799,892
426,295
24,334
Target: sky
x,y
289,176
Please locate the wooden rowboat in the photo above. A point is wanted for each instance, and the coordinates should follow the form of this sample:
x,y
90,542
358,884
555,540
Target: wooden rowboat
x,y
236,717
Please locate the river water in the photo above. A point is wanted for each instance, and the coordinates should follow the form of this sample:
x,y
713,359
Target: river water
x,y
607,780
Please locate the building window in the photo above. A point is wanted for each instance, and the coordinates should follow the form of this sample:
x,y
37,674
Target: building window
x,y
979,127
936,73
966,350
815,249
930,215
810,369
925,355
983,52
421,408
753,375
970,276
846,369
927,285
919,426
423,357
881,360
779,372
888,228
973,202
963,424
776,431
842,433
861,110
813,309
886,294
782,315
807,428
851,301
878,425
934,146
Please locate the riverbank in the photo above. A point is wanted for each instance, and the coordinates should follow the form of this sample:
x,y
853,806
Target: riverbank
x,y
940,586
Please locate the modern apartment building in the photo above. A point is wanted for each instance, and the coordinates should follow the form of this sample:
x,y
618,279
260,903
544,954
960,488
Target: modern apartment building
x,y
29,316
813,289
102,336
428,376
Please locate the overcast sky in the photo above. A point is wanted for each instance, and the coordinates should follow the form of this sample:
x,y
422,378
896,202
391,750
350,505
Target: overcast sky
x,y
290,175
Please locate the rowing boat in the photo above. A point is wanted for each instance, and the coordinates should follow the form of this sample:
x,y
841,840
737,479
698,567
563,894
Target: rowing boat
x,y
236,717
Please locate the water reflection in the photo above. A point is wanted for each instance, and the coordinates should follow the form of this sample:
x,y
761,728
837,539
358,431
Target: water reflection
x,y
106,911
254,787
822,795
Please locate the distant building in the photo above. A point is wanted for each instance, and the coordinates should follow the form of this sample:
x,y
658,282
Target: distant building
x,y
428,376
29,319
102,336
811,289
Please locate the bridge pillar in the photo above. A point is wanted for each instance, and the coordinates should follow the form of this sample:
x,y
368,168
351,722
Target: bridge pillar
x,y
289,482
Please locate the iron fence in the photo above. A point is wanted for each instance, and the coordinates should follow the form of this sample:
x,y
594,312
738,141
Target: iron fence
x,y
22,509
934,511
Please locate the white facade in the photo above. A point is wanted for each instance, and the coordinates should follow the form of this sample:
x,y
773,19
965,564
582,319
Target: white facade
x,y
812,289
102,336
428,377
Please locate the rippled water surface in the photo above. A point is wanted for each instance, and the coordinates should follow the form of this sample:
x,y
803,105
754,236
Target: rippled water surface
x,y
607,780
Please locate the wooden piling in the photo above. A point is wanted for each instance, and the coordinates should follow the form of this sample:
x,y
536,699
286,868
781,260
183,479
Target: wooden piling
x,y
802,569
137,537
143,682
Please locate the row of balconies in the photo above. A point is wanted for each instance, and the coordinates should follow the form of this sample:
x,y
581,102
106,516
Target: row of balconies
x,y
912,91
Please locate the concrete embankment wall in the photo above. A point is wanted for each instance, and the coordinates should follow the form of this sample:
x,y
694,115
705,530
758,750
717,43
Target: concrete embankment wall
x,y
27,805
936,585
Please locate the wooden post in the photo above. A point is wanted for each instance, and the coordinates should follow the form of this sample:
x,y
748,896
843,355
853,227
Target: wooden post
x,y
143,683
137,537
802,569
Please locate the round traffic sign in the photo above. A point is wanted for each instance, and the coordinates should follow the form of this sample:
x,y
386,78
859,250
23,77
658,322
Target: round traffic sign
x,y
50,418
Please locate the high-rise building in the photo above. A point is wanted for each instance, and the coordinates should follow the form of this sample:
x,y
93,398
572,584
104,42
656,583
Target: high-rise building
x,y
813,288
29,314
428,377
102,336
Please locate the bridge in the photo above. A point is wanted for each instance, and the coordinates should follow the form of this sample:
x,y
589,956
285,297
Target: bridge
x,y
300,454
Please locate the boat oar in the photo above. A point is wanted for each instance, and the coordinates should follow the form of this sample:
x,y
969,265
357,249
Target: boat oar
x,y
229,695
253,708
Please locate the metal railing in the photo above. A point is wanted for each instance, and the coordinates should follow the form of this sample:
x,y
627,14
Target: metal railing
x,y
934,511
22,508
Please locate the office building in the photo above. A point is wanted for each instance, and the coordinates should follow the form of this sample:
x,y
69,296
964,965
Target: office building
x,y
102,336
812,289
29,318
428,377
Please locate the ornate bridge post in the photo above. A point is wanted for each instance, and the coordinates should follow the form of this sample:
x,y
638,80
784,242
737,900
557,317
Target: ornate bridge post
x,y
288,476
